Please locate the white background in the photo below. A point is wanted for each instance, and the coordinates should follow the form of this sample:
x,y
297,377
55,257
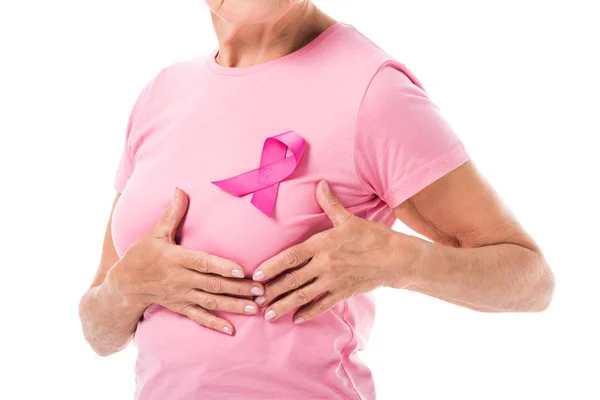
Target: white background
x,y
519,81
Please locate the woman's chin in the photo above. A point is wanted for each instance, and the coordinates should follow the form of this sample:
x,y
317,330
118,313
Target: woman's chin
x,y
250,11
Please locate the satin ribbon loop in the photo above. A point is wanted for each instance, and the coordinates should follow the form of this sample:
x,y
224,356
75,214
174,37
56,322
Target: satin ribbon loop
x,y
263,182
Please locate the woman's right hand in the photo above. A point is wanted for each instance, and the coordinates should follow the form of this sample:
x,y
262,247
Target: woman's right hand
x,y
156,270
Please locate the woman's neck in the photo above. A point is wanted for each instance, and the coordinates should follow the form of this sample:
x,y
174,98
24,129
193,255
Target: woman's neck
x,y
251,44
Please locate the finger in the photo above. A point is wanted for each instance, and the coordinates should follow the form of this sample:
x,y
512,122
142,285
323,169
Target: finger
x,y
295,299
214,302
335,210
291,257
167,227
206,263
317,307
219,285
204,318
288,281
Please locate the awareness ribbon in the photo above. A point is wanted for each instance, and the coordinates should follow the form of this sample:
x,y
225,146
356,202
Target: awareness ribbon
x,y
263,182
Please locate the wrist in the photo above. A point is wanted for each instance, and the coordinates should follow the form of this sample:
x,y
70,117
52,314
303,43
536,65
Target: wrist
x,y
410,253
120,285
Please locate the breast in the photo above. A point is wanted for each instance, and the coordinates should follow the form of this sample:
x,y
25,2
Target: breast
x,y
216,221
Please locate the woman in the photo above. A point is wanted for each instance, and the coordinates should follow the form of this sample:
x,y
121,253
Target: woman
x,y
268,296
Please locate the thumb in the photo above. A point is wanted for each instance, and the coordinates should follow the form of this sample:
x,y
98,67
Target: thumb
x,y
167,227
335,210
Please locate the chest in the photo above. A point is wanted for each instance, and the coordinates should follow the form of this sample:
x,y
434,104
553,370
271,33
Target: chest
x,y
191,146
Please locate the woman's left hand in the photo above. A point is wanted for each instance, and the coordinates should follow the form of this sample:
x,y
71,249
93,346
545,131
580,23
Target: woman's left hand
x,y
355,256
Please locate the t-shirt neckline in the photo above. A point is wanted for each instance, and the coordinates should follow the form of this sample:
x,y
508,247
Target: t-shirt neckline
x,y
223,70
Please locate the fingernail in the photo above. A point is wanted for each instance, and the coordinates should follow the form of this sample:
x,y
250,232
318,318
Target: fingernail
x,y
269,315
259,300
227,330
299,320
176,192
257,291
250,309
237,273
326,186
258,276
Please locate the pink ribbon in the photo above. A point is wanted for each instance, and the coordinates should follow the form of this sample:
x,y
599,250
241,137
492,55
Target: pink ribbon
x,y
274,167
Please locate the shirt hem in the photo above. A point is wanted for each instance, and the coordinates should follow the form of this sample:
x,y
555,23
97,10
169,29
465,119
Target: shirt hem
x,y
358,396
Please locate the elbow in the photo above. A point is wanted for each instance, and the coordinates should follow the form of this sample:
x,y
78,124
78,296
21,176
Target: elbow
x,y
541,292
95,337
548,287
98,347
534,297
103,350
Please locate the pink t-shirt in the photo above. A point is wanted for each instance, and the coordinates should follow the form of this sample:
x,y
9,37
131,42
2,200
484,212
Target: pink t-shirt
x,y
371,131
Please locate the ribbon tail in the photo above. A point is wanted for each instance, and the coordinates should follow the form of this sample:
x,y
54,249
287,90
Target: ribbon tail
x,y
264,199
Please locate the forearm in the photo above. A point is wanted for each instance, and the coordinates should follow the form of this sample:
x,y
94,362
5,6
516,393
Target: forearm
x,y
108,318
493,278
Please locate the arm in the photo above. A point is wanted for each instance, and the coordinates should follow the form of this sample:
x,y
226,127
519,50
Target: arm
x,y
480,257
108,319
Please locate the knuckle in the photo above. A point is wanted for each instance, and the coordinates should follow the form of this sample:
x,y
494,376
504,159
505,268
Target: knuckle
x,y
326,256
335,256
291,258
290,280
309,313
190,294
169,215
210,323
184,309
300,297
344,215
321,307
166,297
168,210
191,311
238,290
207,321
210,303
330,261
228,305
202,265
213,284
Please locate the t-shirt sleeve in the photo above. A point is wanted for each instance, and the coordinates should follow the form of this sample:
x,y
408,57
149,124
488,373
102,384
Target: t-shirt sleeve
x,y
403,143
126,161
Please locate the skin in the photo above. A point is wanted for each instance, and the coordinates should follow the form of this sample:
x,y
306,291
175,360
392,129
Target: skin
x,y
285,26
478,256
